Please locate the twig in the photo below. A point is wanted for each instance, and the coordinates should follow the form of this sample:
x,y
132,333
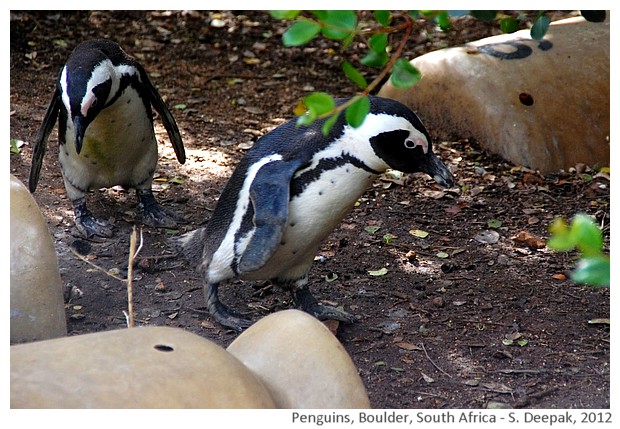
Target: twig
x,y
103,270
431,361
133,253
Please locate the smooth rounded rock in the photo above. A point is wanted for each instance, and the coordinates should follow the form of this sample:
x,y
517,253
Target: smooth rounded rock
x,y
301,362
149,367
542,104
37,304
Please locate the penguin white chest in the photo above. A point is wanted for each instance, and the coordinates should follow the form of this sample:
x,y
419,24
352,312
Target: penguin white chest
x,y
119,147
313,215
316,211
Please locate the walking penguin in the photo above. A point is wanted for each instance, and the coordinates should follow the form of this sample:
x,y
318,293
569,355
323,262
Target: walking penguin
x,y
290,191
103,102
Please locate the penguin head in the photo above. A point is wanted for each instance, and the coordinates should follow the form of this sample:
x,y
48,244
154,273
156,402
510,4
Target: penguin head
x,y
398,138
89,81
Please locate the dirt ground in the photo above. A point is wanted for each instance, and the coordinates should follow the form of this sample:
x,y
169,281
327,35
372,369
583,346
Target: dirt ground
x,y
454,323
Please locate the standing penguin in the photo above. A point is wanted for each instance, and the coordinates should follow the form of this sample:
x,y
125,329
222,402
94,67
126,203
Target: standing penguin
x,y
291,190
103,100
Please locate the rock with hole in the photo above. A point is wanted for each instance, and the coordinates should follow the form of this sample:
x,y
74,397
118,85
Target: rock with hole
x,y
542,104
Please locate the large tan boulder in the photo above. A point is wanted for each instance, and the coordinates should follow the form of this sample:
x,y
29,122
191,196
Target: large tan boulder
x,y
301,362
37,305
544,105
150,367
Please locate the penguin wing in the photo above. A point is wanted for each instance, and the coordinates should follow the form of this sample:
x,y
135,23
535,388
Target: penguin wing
x,y
166,117
40,143
269,195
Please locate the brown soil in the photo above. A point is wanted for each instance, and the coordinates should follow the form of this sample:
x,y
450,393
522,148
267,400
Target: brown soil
x,y
432,330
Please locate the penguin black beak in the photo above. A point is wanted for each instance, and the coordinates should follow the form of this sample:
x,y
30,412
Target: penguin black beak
x,y
79,126
434,167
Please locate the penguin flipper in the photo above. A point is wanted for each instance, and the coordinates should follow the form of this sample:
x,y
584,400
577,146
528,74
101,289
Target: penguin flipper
x,y
40,143
166,117
269,194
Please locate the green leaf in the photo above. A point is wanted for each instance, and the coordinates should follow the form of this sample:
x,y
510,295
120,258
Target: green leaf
x,y
388,238
418,233
284,14
561,243
404,74
560,236
372,229
316,104
321,15
494,223
319,103
443,20
484,15
375,59
442,255
331,277
300,32
378,42
586,235
329,123
339,24
540,27
378,273
16,146
377,56
180,106
356,112
509,24
304,120
354,74
593,270
383,17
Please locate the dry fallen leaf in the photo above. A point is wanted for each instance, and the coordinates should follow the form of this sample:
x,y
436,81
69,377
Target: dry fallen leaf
x,y
407,346
427,378
530,240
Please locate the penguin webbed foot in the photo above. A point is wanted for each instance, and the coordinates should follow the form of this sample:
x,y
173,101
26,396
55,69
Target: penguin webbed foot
x,y
222,314
154,214
308,303
88,225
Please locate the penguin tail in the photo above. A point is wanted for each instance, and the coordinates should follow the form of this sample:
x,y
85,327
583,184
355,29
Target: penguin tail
x,y
189,246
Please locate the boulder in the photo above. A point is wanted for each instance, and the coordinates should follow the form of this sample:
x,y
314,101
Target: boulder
x,y
301,362
149,367
541,104
37,304
285,360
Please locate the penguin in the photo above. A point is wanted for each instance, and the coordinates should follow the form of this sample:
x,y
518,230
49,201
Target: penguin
x,y
103,102
288,193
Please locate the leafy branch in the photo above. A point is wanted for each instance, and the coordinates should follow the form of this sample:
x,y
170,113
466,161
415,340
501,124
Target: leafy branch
x,y
593,267
344,26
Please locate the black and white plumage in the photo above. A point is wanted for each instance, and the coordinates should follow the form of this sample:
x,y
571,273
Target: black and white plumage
x,y
290,191
103,102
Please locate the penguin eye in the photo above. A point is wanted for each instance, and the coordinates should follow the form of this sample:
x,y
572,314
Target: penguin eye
x,y
416,143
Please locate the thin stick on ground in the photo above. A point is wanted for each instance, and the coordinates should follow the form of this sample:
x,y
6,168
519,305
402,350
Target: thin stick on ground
x,y
434,364
103,270
133,253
